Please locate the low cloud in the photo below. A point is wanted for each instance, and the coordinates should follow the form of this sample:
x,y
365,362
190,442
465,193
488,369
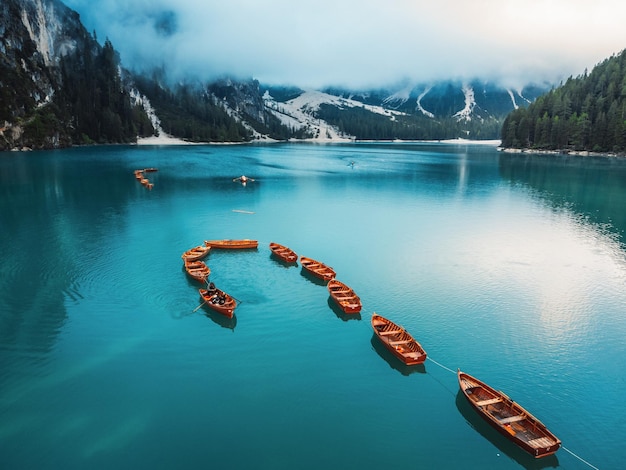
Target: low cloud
x,y
360,43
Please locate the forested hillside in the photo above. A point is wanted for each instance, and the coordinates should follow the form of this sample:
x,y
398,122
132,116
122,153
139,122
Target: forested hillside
x,y
189,112
58,86
365,125
585,113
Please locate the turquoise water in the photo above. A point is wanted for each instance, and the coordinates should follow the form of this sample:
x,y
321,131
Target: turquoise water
x,y
509,267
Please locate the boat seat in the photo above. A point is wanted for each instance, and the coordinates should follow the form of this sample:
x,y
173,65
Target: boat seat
x,y
491,401
404,341
512,419
390,332
541,442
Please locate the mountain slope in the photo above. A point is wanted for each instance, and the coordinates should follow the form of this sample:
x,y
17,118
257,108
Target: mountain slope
x,y
442,110
58,86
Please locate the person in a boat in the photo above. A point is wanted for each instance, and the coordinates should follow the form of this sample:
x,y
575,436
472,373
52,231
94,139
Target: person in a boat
x,y
243,179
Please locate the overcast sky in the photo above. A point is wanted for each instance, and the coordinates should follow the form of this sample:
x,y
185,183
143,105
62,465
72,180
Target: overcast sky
x,y
361,43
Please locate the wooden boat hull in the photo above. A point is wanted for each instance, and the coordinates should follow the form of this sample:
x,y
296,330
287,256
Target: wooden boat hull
x,y
508,417
196,253
219,301
320,270
397,340
344,296
232,244
197,270
284,253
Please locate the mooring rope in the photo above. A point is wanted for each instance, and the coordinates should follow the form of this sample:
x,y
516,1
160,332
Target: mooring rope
x,y
562,447
440,365
443,367
579,458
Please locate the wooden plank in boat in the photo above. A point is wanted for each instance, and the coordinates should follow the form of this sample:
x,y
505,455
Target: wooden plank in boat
x,y
512,419
491,401
404,341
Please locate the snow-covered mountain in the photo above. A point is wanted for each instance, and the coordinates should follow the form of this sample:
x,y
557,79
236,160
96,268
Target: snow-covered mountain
x,y
52,73
463,105
302,111
463,100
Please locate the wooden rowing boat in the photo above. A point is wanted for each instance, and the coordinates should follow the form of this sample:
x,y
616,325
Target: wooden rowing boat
x,y
197,270
398,341
196,253
284,253
508,417
218,300
232,244
344,296
318,269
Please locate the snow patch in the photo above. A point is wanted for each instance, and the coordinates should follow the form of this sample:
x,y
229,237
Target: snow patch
x,y
143,101
515,106
519,93
163,139
399,97
419,103
300,112
470,102
461,141
160,137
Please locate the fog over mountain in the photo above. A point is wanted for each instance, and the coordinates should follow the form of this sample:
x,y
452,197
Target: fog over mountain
x,y
218,74
361,43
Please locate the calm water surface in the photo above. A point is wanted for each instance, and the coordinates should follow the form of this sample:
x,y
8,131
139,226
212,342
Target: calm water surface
x,y
510,267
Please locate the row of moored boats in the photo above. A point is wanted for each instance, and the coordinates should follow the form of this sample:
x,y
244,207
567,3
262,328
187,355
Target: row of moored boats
x,y
140,175
506,416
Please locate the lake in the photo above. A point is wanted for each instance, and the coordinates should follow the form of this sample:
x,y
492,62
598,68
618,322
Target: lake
x,y
509,267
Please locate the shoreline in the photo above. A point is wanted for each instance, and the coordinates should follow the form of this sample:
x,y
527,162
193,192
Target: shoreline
x,y
169,140
166,140
576,153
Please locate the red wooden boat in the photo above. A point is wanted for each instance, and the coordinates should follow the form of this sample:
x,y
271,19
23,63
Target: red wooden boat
x,y
196,253
232,244
318,269
218,300
398,341
284,253
198,270
345,297
508,417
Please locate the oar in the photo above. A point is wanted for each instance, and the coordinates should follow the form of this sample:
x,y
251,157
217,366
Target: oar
x,y
204,301
198,307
